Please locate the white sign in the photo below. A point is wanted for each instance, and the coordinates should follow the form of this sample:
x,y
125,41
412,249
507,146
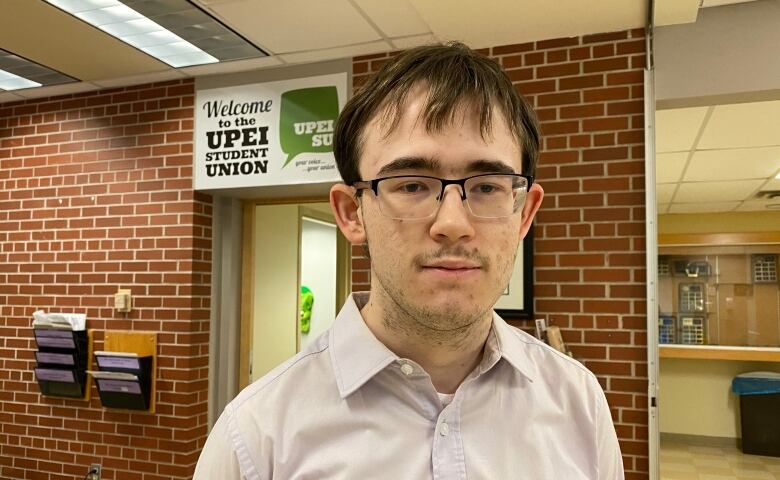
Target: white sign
x,y
275,133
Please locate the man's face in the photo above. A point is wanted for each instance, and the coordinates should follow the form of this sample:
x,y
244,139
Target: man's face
x,y
448,270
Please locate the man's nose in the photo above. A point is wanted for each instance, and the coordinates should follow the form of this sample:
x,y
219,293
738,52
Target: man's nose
x,y
452,221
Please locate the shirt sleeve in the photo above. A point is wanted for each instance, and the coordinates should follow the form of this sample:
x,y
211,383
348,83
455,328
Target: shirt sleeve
x,y
609,457
218,458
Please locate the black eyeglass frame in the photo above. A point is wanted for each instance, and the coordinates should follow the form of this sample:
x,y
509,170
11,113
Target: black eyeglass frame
x,y
373,185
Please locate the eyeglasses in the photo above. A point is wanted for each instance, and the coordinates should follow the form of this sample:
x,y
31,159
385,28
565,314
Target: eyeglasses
x,y
492,195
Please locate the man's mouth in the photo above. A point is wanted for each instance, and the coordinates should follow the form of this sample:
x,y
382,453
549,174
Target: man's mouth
x,y
452,268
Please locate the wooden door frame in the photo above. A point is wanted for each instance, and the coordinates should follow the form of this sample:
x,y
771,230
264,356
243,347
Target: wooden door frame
x,y
343,271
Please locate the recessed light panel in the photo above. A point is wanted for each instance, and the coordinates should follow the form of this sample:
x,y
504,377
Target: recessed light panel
x,y
173,31
17,73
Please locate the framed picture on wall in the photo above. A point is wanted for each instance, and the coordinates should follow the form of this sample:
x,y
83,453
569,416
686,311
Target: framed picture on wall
x,y
517,302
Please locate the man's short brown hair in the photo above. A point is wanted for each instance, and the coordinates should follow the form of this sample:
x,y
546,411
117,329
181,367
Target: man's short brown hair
x,y
455,76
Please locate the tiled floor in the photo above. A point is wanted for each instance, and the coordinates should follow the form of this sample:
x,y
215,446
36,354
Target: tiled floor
x,y
690,462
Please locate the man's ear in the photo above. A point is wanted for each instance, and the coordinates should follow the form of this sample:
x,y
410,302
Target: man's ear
x,y
346,209
533,200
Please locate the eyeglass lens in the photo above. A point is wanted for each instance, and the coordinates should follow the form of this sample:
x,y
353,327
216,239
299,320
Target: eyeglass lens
x,y
489,196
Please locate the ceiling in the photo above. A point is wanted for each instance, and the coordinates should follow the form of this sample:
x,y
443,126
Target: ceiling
x,y
718,158
304,31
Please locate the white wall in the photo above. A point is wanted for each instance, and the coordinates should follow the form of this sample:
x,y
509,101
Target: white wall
x,y
318,272
729,50
276,277
695,396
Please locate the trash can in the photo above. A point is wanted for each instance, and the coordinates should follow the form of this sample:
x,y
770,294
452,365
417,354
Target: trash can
x,y
759,410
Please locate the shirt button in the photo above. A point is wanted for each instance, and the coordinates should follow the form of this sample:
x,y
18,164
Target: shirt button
x,y
407,369
444,430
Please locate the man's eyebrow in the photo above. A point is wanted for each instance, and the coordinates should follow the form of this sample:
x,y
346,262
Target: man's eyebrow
x,y
409,163
489,166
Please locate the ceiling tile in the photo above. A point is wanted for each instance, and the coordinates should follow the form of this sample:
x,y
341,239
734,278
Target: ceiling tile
x,y
676,129
396,19
664,192
503,22
229,67
702,207
9,97
742,125
735,164
716,191
73,47
759,205
773,184
297,25
140,79
718,3
669,166
662,208
339,52
55,90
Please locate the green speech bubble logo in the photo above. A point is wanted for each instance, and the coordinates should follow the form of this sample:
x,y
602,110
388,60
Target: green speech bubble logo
x,y
306,120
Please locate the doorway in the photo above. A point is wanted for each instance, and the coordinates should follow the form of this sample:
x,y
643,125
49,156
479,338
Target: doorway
x,y
294,282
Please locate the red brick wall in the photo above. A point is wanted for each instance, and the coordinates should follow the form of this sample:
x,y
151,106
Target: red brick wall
x,y
96,194
590,232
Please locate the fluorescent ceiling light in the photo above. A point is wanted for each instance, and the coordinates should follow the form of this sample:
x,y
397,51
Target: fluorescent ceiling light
x,y
9,81
777,176
17,72
126,24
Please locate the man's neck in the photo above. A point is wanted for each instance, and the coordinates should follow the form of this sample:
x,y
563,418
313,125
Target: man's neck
x,y
448,357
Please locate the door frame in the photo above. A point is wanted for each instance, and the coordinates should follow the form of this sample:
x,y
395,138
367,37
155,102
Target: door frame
x,y
343,270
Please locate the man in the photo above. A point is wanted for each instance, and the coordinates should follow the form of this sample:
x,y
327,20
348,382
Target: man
x,y
419,378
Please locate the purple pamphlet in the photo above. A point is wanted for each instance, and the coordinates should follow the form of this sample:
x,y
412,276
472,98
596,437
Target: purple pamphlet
x,y
58,358
118,362
121,386
53,375
54,338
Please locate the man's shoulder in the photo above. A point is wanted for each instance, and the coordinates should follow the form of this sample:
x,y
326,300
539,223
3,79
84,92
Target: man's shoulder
x,y
548,362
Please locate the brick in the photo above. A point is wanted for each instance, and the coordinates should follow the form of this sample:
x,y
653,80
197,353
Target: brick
x,y
581,200
558,275
622,78
583,291
537,86
633,46
581,111
605,65
601,154
605,50
558,70
554,99
602,124
580,53
606,94
558,128
556,56
581,260
512,61
520,74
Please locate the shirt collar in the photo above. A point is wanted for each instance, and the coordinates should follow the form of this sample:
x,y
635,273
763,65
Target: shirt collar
x,y
512,344
357,355
355,352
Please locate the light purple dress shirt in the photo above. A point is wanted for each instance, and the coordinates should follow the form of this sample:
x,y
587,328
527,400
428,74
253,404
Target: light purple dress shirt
x,y
347,407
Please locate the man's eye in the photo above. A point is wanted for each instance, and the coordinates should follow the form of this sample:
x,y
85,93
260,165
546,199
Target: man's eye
x,y
412,187
487,188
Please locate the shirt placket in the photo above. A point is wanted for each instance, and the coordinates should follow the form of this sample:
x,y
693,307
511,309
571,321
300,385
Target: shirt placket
x,y
447,455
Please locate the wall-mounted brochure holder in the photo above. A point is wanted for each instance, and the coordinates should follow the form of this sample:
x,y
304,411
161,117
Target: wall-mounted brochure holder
x,y
64,349
127,370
